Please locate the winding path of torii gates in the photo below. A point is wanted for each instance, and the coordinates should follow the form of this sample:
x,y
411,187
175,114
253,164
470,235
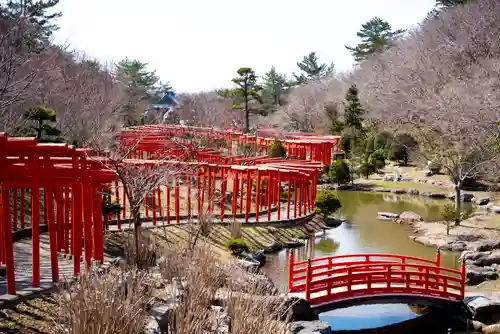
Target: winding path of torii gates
x,y
61,186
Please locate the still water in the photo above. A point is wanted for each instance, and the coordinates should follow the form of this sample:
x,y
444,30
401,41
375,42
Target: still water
x,y
363,233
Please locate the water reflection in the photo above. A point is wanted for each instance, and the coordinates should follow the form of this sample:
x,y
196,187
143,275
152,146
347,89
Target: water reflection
x,y
368,316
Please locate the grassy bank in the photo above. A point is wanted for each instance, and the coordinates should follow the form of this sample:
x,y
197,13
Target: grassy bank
x,y
38,315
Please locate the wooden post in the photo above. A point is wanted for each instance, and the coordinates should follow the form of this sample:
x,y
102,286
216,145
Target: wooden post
x,y
308,279
462,279
291,271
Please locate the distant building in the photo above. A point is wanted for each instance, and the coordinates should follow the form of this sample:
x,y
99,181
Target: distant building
x,y
167,105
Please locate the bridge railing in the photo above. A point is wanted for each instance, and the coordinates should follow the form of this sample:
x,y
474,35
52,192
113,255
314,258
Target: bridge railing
x,y
341,277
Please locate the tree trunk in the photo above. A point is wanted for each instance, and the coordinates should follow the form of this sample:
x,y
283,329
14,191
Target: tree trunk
x,y
458,202
137,225
247,116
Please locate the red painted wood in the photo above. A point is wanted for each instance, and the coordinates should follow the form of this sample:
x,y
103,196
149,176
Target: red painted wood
x,y
359,275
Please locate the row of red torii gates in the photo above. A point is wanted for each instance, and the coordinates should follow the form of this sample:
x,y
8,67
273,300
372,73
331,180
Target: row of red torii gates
x,y
62,187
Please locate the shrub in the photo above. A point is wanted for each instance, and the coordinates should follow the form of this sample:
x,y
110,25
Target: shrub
x,y
382,141
326,169
340,172
237,246
398,153
277,150
366,169
326,203
377,160
434,167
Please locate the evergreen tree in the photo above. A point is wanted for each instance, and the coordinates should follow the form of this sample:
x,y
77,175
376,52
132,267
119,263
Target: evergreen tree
x,y
312,69
376,35
274,86
39,14
38,124
247,95
451,3
353,110
140,83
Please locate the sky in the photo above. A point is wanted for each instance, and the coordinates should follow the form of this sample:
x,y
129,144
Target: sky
x,y
197,45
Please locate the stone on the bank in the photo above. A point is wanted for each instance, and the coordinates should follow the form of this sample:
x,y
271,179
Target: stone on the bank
x,y
388,215
310,327
250,266
476,275
488,246
482,200
242,280
483,258
259,257
455,246
495,209
485,310
410,217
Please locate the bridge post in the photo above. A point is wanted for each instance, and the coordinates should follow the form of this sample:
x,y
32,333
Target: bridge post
x,y
308,279
291,272
462,279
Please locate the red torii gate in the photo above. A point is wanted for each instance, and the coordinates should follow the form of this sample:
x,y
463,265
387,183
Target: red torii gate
x,y
71,202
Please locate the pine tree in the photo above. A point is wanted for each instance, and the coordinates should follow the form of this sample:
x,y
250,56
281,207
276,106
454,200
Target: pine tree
x,y
140,83
38,125
39,14
451,3
353,110
274,85
312,69
376,35
247,95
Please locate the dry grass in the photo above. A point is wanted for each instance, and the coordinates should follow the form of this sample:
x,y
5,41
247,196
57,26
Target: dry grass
x,y
204,277
115,302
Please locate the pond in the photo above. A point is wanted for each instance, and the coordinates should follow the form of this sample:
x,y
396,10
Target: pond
x,y
364,233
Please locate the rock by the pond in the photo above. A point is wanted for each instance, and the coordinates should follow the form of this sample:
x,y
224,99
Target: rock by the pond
x,y
482,258
260,257
384,218
476,275
484,309
410,217
482,200
250,266
389,215
242,280
454,246
488,246
310,327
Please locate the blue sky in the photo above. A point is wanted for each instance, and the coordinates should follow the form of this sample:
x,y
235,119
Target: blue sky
x,y
199,44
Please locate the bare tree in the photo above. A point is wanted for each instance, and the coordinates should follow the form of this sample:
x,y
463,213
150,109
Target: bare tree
x,y
207,109
140,178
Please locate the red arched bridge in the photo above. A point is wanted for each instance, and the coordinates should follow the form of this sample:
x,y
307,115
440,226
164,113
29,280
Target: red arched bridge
x,y
345,278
